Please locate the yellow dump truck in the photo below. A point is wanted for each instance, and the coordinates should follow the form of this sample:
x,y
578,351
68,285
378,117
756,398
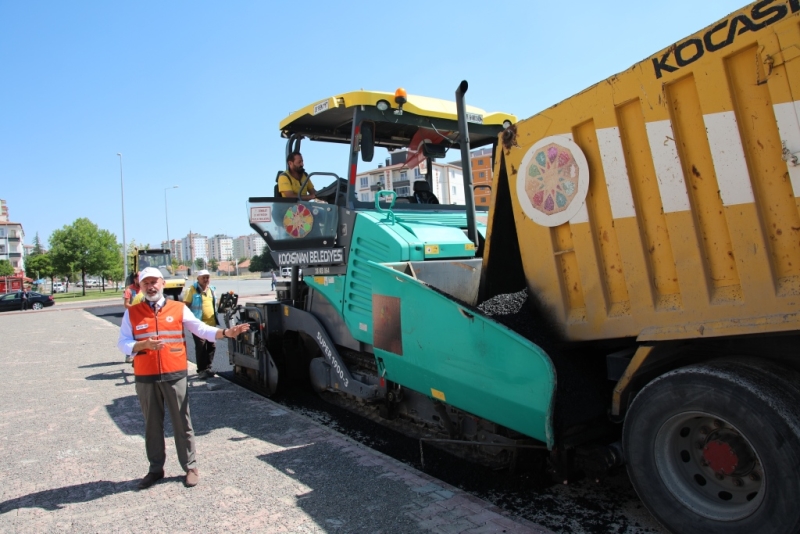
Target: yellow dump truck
x,y
656,214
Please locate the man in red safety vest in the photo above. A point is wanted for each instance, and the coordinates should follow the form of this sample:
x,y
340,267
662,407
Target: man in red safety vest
x,y
152,332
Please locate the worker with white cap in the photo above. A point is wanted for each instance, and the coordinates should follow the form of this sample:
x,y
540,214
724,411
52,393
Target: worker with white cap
x,y
201,299
152,331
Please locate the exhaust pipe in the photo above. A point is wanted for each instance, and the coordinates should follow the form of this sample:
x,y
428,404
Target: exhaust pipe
x,y
466,162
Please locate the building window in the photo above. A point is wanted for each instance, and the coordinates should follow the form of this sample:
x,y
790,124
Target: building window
x,y
453,190
480,162
364,181
417,174
403,175
404,191
481,174
364,197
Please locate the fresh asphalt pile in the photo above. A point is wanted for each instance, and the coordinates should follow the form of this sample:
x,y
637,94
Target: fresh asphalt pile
x,y
508,305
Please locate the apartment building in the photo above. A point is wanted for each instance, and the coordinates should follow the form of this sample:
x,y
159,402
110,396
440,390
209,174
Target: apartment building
x,y
481,160
12,240
394,175
240,247
220,247
175,247
257,245
247,246
194,246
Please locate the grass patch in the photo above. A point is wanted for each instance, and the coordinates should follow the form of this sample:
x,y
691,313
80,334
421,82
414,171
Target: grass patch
x,y
92,294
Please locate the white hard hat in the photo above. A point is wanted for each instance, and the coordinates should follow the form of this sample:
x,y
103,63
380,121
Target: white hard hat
x,y
203,272
150,272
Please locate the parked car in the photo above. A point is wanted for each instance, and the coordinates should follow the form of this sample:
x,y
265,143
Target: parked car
x,y
36,301
59,287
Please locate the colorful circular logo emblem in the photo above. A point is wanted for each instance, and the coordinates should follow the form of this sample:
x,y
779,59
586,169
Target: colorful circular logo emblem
x,y
298,221
552,181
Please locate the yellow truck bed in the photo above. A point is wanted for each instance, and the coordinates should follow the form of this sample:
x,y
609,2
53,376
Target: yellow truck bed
x,y
661,203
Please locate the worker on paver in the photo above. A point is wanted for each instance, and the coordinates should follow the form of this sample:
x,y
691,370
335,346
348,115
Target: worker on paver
x,y
152,331
290,180
202,301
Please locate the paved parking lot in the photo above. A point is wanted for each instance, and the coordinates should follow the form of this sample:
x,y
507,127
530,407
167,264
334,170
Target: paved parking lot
x,y
72,451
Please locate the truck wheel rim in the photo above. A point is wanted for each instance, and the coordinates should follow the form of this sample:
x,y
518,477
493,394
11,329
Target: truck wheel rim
x,y
709,466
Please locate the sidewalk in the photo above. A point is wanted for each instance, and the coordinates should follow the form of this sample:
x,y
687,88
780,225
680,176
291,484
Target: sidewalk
x,y
72,451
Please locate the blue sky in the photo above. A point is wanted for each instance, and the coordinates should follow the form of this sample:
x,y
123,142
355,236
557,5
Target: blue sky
x,y
191,93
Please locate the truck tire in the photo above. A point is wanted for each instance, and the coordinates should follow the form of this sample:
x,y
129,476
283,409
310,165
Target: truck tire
x,y
716,448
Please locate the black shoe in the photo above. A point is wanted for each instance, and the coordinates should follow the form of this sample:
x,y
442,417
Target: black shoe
x,y
150,479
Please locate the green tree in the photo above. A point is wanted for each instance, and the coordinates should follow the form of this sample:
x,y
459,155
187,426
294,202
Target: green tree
x,y
175,265
256,264
5,268
37,247
114,269
213,264
115,274
133,246
41,265
200,263
262,262
267,261
83,248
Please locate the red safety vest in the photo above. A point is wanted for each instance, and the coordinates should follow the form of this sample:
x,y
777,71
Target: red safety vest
x,y
168,363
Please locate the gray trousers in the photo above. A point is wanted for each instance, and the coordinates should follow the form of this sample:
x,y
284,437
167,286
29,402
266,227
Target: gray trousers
x,y
152,397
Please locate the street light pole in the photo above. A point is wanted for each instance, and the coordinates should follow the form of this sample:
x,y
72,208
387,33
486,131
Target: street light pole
x,y
124,240
166,214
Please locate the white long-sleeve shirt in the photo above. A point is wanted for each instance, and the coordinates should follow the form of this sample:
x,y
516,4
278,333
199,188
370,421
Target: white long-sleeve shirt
x,y
193,324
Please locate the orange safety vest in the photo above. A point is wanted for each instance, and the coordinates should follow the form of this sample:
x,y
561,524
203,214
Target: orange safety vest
x,y
168,363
